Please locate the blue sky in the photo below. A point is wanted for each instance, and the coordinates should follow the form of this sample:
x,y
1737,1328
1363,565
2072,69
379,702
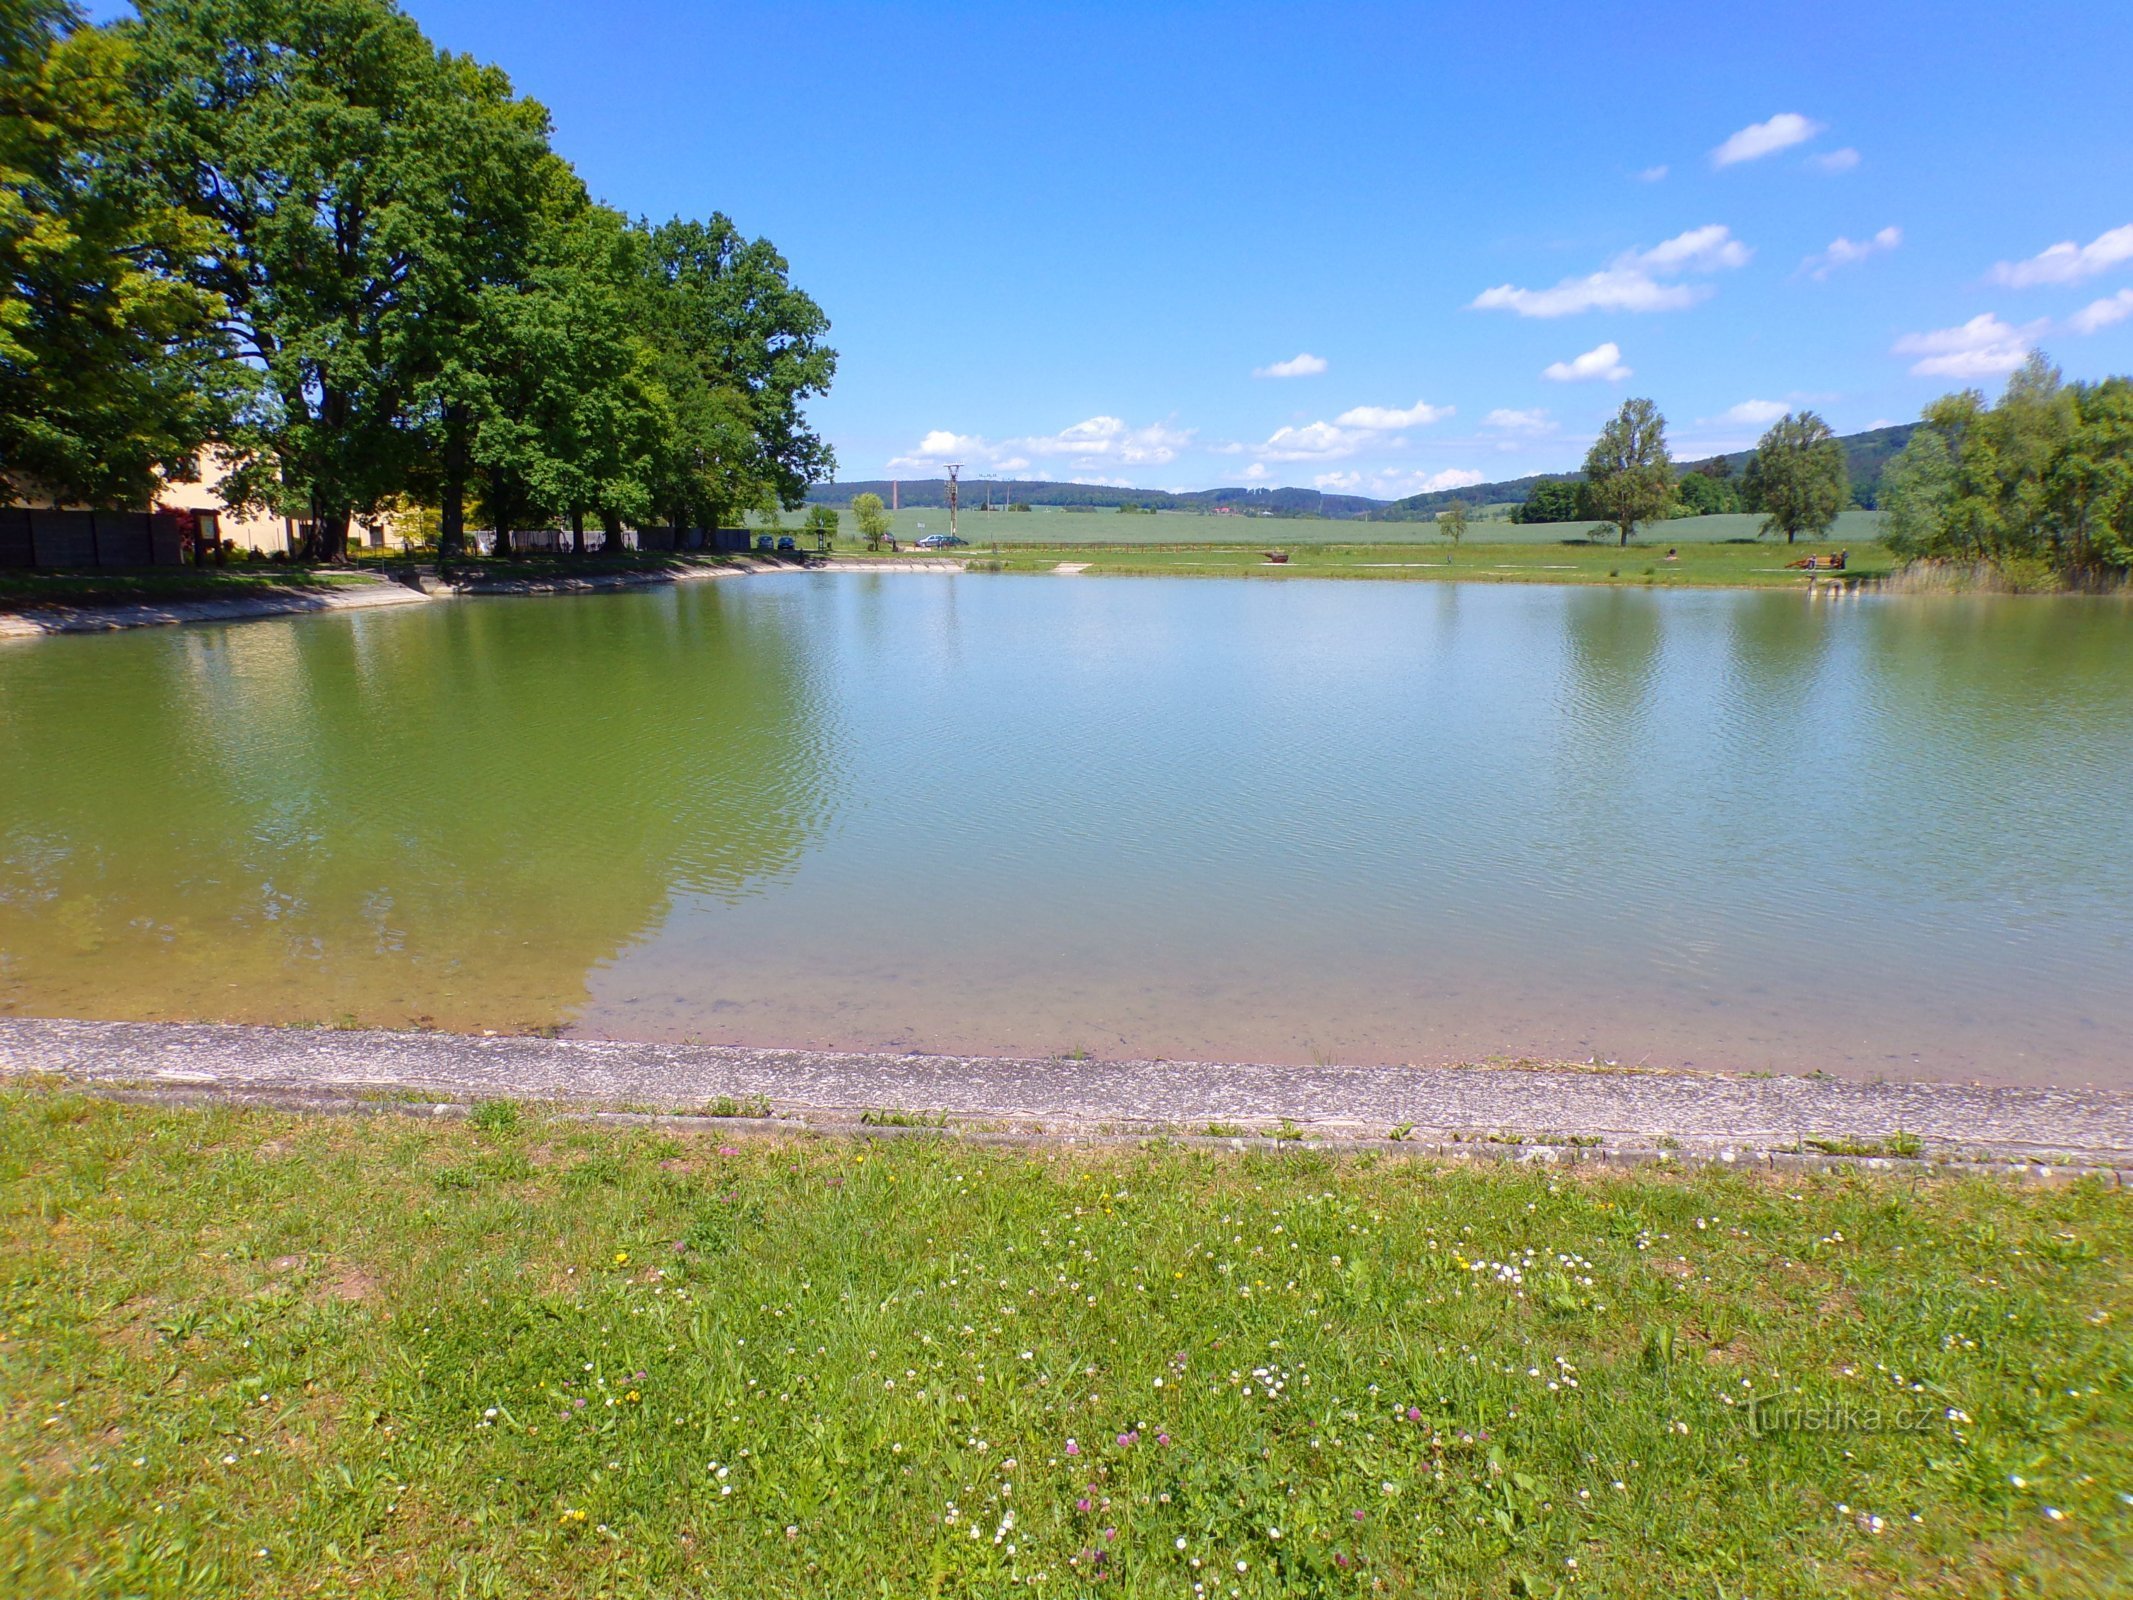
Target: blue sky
x,y
1087,241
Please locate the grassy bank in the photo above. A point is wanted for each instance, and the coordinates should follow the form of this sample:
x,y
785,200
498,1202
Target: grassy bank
x,y
252,1354
32,590
1700,565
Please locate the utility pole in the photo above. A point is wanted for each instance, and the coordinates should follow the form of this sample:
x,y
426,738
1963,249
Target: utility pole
x,y
953,469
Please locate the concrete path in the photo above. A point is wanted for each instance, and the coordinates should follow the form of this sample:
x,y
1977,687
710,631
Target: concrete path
x,y
1488,1110
359,594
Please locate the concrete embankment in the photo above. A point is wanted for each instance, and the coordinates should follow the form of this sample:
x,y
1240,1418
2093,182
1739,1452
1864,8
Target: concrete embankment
x,y
356,594
1556,1114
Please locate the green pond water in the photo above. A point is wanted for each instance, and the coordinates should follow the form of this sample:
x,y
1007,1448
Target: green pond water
x,y
1314,821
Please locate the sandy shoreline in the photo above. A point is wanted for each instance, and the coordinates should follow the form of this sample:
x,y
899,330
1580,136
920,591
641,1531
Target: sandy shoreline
x,y
1553,1114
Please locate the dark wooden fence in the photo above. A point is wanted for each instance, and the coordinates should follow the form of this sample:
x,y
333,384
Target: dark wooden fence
x,y
30,537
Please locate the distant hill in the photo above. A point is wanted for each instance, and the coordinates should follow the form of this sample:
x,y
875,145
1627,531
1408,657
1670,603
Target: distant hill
x,y
1868,453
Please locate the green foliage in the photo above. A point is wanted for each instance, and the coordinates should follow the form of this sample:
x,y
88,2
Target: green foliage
x,y
872,517
1552,500
353,179
1703,494
112,368
1629,477
496,1116
2045,476
1451,522
551,377
1798,476
296,229
737,348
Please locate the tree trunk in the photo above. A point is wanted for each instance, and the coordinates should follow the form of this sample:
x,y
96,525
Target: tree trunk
x,y
1624,545
1788,535
577,530
328,539
452,516
611,533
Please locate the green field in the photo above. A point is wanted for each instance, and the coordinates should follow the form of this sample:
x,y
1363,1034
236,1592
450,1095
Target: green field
x,y
1053,526
1703,564
248,1354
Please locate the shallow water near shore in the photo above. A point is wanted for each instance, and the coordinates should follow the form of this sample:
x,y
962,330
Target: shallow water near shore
x,y
1135,817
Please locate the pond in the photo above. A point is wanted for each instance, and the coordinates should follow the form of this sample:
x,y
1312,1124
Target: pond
x,y
1191,819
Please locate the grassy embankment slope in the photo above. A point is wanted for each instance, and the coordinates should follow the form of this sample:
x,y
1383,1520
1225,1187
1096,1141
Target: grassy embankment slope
x,y
22,590
251,1354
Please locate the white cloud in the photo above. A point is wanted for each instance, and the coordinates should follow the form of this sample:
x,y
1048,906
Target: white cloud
x,y
1314,441
1348,433
1505,420
1094,442
1301,365
1603,362
1760,139
1452,478
1386,418
941,445
1652,174
1756,413
1843,252
1983,347
1699,250
1108,438
1632,281
1837,160
2068,262
1394,483
1254,472
2099,314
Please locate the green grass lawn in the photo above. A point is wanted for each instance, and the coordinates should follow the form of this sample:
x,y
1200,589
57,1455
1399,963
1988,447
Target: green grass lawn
x,y
1702,564
246,1353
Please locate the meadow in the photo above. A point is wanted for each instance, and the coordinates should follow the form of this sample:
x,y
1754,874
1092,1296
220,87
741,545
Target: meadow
x,y
248,1353
1053,526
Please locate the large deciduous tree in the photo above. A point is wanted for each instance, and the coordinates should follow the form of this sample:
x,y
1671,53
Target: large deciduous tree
x,y
1798,476
570,405
736,348
349,171
112,369
1629,477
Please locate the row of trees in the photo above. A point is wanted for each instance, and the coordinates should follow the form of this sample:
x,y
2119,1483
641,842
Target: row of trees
x,y
296,231
2045,476
1797,479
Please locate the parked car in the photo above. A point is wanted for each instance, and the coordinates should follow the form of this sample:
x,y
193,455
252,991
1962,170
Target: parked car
x,y
939,541
763,542
787,545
